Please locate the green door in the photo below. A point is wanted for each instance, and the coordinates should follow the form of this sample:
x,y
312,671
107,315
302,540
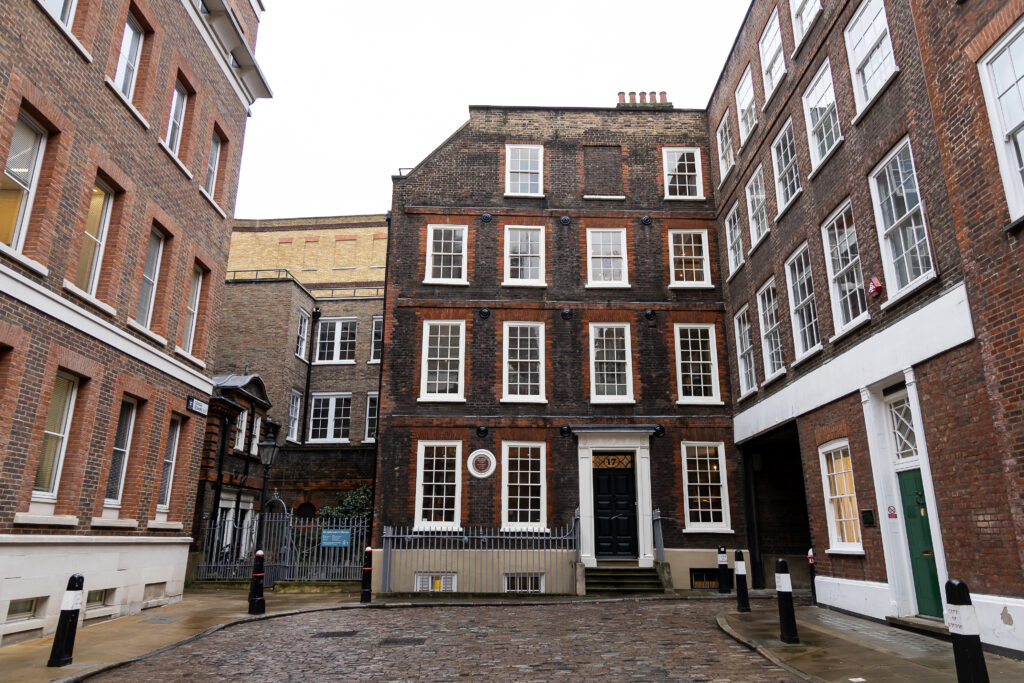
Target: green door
x,y
919,538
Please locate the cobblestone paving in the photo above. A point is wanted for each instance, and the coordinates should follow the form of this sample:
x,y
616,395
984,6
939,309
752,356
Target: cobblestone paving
x,y
650,641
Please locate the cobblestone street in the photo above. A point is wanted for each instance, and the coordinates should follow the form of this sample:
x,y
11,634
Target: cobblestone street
x,y
670,640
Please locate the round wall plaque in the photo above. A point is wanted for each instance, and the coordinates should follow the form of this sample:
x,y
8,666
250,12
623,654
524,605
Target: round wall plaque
x,y
482,463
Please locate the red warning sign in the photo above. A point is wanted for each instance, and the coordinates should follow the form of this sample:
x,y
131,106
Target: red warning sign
x,y
892,512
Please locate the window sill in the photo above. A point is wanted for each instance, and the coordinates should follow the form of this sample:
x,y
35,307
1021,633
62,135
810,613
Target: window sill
x,y
866,107
845,551
142,329
334,362
326,441
744,397
810,353
212,202
534,285
440,399
523,194
343,268
113,522
45,520
917,284
1014,226
437,527
308,270
605,197
301,358
625,401
126,102
178,351
450,283
369,440
532,528
758,243
855,324
174,157
771,96
164,526
691,285
685,199
19,625
67,34
700,403
828,155
537,401
733,273
708,531
608,285
769,380
378,266
376,361
792,200
31,264
74,291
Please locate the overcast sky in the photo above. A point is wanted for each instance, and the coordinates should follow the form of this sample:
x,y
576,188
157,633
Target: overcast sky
x,y
363,88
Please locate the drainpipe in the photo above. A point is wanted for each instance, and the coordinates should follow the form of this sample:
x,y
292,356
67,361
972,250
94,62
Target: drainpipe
x,y
314,332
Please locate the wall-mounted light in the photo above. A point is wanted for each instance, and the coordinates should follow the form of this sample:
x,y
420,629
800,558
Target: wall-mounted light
x,y
566,314
646,220
565,430
565,220
484,313
650,314
659,431
485,217
481,431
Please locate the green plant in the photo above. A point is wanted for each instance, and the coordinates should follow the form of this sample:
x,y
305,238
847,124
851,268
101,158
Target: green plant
x,y
353,504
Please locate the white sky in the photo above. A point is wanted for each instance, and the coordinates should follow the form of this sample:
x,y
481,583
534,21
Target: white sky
x,y
363,88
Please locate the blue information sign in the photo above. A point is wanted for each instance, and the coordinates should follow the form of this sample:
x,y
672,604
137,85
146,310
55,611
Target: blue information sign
x,y
336,538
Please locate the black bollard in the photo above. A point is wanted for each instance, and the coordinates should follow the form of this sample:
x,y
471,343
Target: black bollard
x,y
964,631
787,615
810,563
67,625
367,575
257,605
723,570
742,600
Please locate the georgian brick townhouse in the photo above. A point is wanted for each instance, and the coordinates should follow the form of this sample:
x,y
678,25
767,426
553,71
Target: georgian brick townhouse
x,y
121,127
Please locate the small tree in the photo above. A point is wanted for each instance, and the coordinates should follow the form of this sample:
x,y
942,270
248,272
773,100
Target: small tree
x,y
353,504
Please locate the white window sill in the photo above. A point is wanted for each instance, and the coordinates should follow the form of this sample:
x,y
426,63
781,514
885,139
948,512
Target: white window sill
x,y
725,176
532,399
625,400
111,523
436,527
758,243
301,358
698,530
452,283
807,355
732,274
369,440
378,266
917,284
31,264
178,351
343,268
691,402
126,102
18,626
67,34
691,285
440,399
778,375
605,197
532,528
699,198
608,285
293,439
828,155
768,97
174,157
864,108
375,361
326,441
164,526
789,204
212,202
807,30
74,291
45,520
845,551
744,397
523,283
855,324
308,270
524,194
334,362
101,611
142,329
750,134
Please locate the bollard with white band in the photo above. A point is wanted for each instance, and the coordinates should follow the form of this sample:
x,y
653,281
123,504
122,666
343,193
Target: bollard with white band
x,y
67,625
787,615
257,605
742,600
810,563
723,570
965,632
367,592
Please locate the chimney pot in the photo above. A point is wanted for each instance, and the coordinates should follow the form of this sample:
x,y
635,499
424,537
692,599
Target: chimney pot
x,y
632,98
622,98
643,98
664,96
654,97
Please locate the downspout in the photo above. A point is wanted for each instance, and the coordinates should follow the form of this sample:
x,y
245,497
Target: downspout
x,y
314,332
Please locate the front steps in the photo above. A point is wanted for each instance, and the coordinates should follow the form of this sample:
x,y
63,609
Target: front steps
x,y
621,578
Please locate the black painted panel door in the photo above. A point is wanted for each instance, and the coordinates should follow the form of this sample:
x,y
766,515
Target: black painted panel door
x,y
615,532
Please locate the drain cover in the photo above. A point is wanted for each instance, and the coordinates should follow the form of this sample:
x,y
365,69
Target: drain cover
x,y
335,634
403,641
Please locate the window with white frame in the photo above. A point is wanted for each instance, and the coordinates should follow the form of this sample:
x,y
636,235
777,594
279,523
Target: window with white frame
x,y
523,486
372,406
254,440
773,61
443,582
840,496
529,582
376,339
804,13
771,333
329,417
336,341
20,180
821,115
302,335
842,260
690,265
97,224
192,309
241,424
524,170
901,426
55,437
128,59
150,274
611,364
294,409
523,369
745,352
734,238
726,156
899,214
696,363
707,493
438,485
683,174
606,258
176,120
803,311
163,501
442,374
757,208
524,256
787,174
746,109
212,164
869,48
446,257
22,609
119,457
1002,80
62,10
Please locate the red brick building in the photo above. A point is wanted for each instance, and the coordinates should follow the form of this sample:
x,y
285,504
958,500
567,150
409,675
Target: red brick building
x,y
121,127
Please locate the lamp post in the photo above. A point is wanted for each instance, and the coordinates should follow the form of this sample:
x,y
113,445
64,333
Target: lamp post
x,y
268,450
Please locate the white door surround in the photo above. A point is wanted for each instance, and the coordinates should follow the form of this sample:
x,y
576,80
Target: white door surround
x,y
635,439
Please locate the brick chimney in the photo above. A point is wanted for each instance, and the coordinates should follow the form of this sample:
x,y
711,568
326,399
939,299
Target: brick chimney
x,y
648,100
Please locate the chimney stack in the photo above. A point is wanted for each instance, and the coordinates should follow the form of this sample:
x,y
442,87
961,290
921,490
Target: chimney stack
x,y
648,100
632,98
654,97
664,97
643,97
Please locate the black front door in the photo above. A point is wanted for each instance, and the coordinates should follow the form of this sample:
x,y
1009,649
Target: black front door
x,y
615,532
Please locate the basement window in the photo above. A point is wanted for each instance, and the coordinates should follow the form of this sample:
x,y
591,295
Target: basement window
x,y
524,583
22,610
436,583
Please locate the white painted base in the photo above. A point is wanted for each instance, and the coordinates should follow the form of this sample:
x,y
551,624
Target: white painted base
x,y
39,566
1001,619
682,560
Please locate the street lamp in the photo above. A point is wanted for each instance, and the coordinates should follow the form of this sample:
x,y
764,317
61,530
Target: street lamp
x,y
268,450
